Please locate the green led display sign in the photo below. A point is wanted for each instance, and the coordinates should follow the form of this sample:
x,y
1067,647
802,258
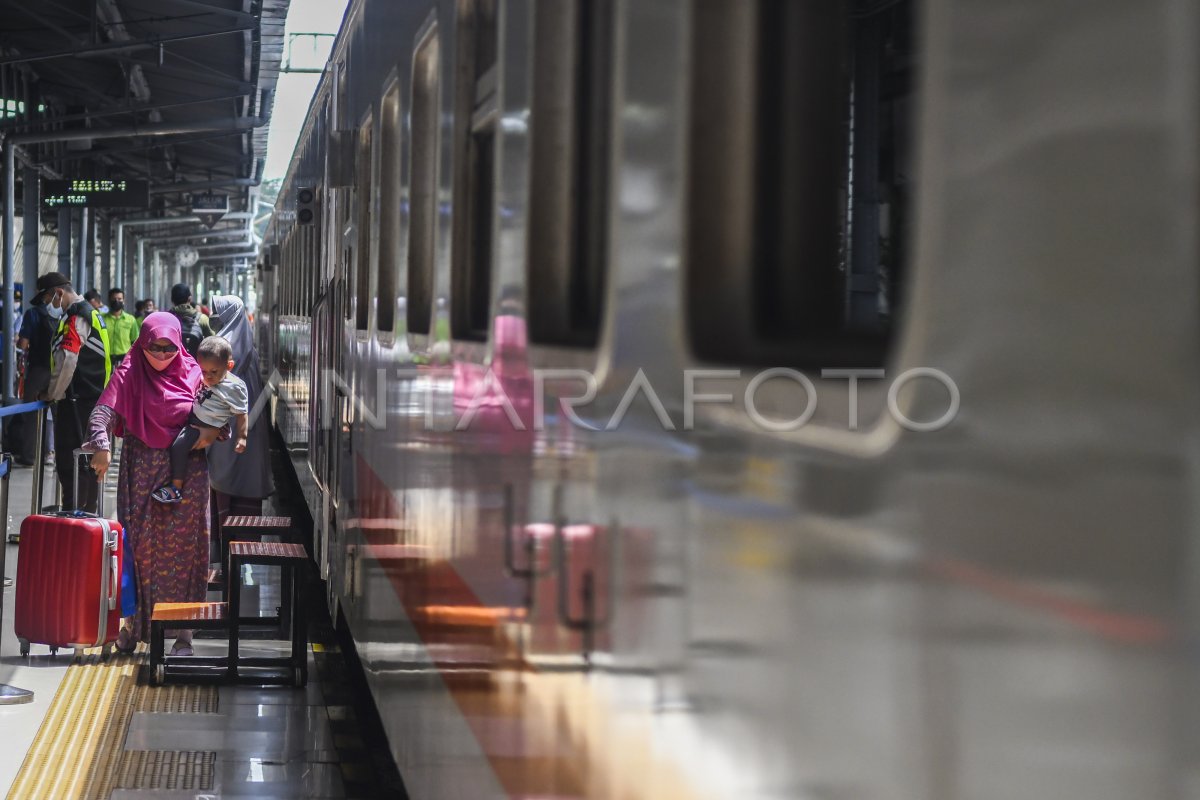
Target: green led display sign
x,y
95,193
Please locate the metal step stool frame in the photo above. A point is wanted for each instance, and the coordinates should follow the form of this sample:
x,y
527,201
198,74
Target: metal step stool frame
x,y
249,528
289,557
162,666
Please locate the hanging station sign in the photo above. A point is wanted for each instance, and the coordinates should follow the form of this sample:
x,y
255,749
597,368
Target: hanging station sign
x,y
210,208
95,193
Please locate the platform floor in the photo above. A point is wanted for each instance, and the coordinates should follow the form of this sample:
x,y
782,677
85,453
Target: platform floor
x,y
266,742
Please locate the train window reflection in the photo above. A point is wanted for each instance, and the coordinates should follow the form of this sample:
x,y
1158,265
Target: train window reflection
x,y
363,187
476,113
423,157
477,292
801,179
389,209
486,39
572,106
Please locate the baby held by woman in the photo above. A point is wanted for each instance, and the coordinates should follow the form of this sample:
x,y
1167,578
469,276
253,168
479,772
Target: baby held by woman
x,y
222,396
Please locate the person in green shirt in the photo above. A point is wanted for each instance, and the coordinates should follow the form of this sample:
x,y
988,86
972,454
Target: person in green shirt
x,y
123,327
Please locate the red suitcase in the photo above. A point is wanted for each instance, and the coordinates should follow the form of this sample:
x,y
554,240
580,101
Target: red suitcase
x,y
68,581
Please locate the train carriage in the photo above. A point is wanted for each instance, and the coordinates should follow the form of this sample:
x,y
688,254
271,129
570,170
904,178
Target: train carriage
x,y
882,485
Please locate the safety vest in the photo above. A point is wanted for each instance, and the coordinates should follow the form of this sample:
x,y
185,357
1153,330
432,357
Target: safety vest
x,y
94,367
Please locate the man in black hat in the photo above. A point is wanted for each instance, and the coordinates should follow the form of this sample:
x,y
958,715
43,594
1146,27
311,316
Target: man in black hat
x,y
80,366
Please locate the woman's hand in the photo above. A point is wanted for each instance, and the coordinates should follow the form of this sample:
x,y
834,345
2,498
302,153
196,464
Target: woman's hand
x,y
100,461
207,437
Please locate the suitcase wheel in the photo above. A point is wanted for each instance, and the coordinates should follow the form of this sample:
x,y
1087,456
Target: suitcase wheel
x,y
24,646
53,651
106,652
298,678
158,675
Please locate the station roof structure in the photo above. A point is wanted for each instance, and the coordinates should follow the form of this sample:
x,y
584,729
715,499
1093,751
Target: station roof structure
x,y
124,68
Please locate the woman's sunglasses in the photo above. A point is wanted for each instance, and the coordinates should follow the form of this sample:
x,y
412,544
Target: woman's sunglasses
x,y
162,348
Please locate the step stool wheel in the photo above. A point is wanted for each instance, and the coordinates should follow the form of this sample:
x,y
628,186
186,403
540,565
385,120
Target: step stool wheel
x,y
24,646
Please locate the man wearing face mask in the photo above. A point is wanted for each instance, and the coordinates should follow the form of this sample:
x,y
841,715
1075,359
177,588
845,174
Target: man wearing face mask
x,y
80,367
123,327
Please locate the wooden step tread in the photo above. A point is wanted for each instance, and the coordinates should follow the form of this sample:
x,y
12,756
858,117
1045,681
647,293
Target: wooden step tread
x,y
244,521
175,612
267,550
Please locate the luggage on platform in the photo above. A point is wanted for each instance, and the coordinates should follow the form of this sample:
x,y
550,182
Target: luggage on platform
x,y
69,567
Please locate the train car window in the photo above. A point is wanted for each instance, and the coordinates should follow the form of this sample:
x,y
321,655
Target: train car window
x,y
423,194
800,179
300,252
314,277
342,105
286,305
476,115
389,209
342,221
287,269
310,262
364,189
297,272
486,38
296,253
570,139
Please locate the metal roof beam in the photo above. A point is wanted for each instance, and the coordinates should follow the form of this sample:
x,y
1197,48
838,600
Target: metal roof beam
x,y
160,241
239,16
247,241
128,109
49,23
138,148
229,256
172,188
120,47
213,184
208,78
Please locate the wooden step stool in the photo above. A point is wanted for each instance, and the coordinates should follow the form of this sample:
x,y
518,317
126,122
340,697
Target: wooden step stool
x,y
290,558
190,616
252,528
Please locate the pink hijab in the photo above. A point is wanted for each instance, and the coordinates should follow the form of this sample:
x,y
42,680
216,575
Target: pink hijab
x,y
153,406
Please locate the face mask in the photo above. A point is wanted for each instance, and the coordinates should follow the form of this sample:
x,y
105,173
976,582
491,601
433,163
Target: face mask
x,y
55,311
156,364
116,306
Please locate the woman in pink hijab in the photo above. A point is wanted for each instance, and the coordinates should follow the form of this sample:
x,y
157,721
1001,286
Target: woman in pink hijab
x,y
147,402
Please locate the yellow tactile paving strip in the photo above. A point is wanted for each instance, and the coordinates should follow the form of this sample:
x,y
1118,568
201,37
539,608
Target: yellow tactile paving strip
x,y
78,751
162,770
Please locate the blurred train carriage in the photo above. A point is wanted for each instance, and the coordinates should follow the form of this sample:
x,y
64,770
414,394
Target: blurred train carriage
x,y
717,607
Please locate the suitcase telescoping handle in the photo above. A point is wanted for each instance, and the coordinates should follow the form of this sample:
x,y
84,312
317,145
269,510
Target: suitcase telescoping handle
x,y
114,581
81,456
